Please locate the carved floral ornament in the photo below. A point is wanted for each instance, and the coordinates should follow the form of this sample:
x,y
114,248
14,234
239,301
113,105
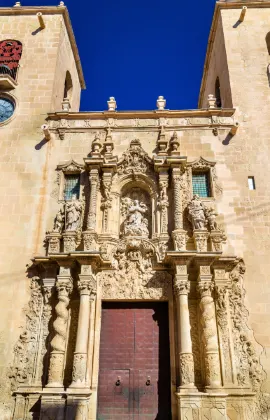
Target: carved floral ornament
x,y
70,167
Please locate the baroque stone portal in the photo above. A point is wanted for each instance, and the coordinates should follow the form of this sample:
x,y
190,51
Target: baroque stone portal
x,y
126,239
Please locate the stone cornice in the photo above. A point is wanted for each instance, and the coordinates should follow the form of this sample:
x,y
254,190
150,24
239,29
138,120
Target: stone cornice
x,y
50,10
102,115
219,6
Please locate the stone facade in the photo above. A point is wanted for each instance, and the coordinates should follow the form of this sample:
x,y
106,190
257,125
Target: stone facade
x,y
135,231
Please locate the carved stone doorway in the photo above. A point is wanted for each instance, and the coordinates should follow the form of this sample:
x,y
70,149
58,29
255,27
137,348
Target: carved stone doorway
x,y
134,375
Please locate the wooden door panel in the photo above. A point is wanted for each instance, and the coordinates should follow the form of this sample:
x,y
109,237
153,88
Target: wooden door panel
x,y
134,346
114,395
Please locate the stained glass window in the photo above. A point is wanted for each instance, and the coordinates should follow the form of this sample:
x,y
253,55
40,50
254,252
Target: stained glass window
x,y
201,184
72,186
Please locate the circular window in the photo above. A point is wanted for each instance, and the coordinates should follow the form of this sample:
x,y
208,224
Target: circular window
x,y
6,109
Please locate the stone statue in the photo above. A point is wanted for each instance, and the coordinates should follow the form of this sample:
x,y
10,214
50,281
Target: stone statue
x,y
196,215
59,221
73,214
136,224
211,214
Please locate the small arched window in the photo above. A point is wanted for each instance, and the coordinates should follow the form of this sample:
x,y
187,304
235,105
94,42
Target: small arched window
x,y
217,93
68,86
10,55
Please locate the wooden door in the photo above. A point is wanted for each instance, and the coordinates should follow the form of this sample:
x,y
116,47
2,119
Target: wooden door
x,y
134,375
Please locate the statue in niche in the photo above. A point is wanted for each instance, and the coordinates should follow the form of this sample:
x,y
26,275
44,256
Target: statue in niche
x,y
196,213
136,224
73,214
134,208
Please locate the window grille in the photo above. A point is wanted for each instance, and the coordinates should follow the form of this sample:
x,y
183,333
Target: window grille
x,y
201,184
72,186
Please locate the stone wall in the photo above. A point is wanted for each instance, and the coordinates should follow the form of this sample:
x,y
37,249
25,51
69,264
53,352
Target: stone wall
x,y
247,154
24,159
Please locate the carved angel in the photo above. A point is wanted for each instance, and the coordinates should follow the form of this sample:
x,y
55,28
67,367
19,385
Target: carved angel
x,y
211,214
59,221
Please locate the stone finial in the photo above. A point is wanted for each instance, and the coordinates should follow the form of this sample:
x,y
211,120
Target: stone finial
x,y
175,143
17,4
112,104
108,144
96,146
211,101
66,105
161,103
61,4
162,142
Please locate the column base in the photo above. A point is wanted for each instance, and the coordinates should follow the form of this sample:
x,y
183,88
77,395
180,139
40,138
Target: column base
x,y
78,385
187,389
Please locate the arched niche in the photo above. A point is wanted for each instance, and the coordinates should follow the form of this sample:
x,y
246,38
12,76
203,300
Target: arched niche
x,y
137,198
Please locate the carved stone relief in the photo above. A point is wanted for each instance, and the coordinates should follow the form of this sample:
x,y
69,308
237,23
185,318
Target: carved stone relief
x,y
250,371
25,350
136,213
133,276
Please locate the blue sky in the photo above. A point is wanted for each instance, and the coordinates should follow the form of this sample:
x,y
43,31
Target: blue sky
x,y
138,50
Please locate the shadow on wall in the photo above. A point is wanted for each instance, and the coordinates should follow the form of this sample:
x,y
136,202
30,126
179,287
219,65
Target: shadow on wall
x,y
57,411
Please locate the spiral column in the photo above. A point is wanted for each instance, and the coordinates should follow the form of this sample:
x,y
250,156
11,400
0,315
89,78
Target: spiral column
x,y
58,343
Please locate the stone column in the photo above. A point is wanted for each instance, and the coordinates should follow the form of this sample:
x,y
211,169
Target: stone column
x,y
94,185
58,344
208,320
106,199
186,363
87,288
179,235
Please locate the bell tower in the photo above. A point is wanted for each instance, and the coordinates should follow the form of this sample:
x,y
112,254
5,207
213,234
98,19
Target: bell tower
x,y
39,67
238,57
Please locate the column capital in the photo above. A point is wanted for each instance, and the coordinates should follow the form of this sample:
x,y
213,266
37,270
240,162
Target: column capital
x,y
64,285
87,285
181,285
205,287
